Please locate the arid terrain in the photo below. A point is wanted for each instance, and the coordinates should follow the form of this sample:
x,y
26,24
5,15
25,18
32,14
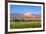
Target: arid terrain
x,y
26,16
26,20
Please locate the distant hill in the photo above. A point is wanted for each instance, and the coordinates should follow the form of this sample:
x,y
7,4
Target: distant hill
x,y
26,16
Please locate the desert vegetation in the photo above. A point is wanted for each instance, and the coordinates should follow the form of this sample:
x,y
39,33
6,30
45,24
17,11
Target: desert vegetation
x,y
17,24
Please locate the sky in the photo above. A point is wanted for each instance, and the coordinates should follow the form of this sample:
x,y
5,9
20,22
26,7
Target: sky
x,y
21,9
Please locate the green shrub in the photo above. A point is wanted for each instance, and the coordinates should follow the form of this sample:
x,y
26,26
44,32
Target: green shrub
x,y
30,24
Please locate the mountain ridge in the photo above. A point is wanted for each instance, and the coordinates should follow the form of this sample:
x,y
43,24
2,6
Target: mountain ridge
x,y
25,17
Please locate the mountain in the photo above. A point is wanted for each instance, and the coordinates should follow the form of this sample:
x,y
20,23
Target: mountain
x,y
26,16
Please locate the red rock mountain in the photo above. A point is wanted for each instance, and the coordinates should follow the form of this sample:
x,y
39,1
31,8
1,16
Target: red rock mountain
x,y
26,16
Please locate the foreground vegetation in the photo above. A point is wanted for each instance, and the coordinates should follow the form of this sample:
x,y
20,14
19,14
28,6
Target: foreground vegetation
x,y
25,24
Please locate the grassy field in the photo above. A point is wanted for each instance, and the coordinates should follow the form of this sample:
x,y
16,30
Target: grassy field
x,y
29,24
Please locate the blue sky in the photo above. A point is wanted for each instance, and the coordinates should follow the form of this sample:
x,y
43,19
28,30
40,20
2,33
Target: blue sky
x,y
24,9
